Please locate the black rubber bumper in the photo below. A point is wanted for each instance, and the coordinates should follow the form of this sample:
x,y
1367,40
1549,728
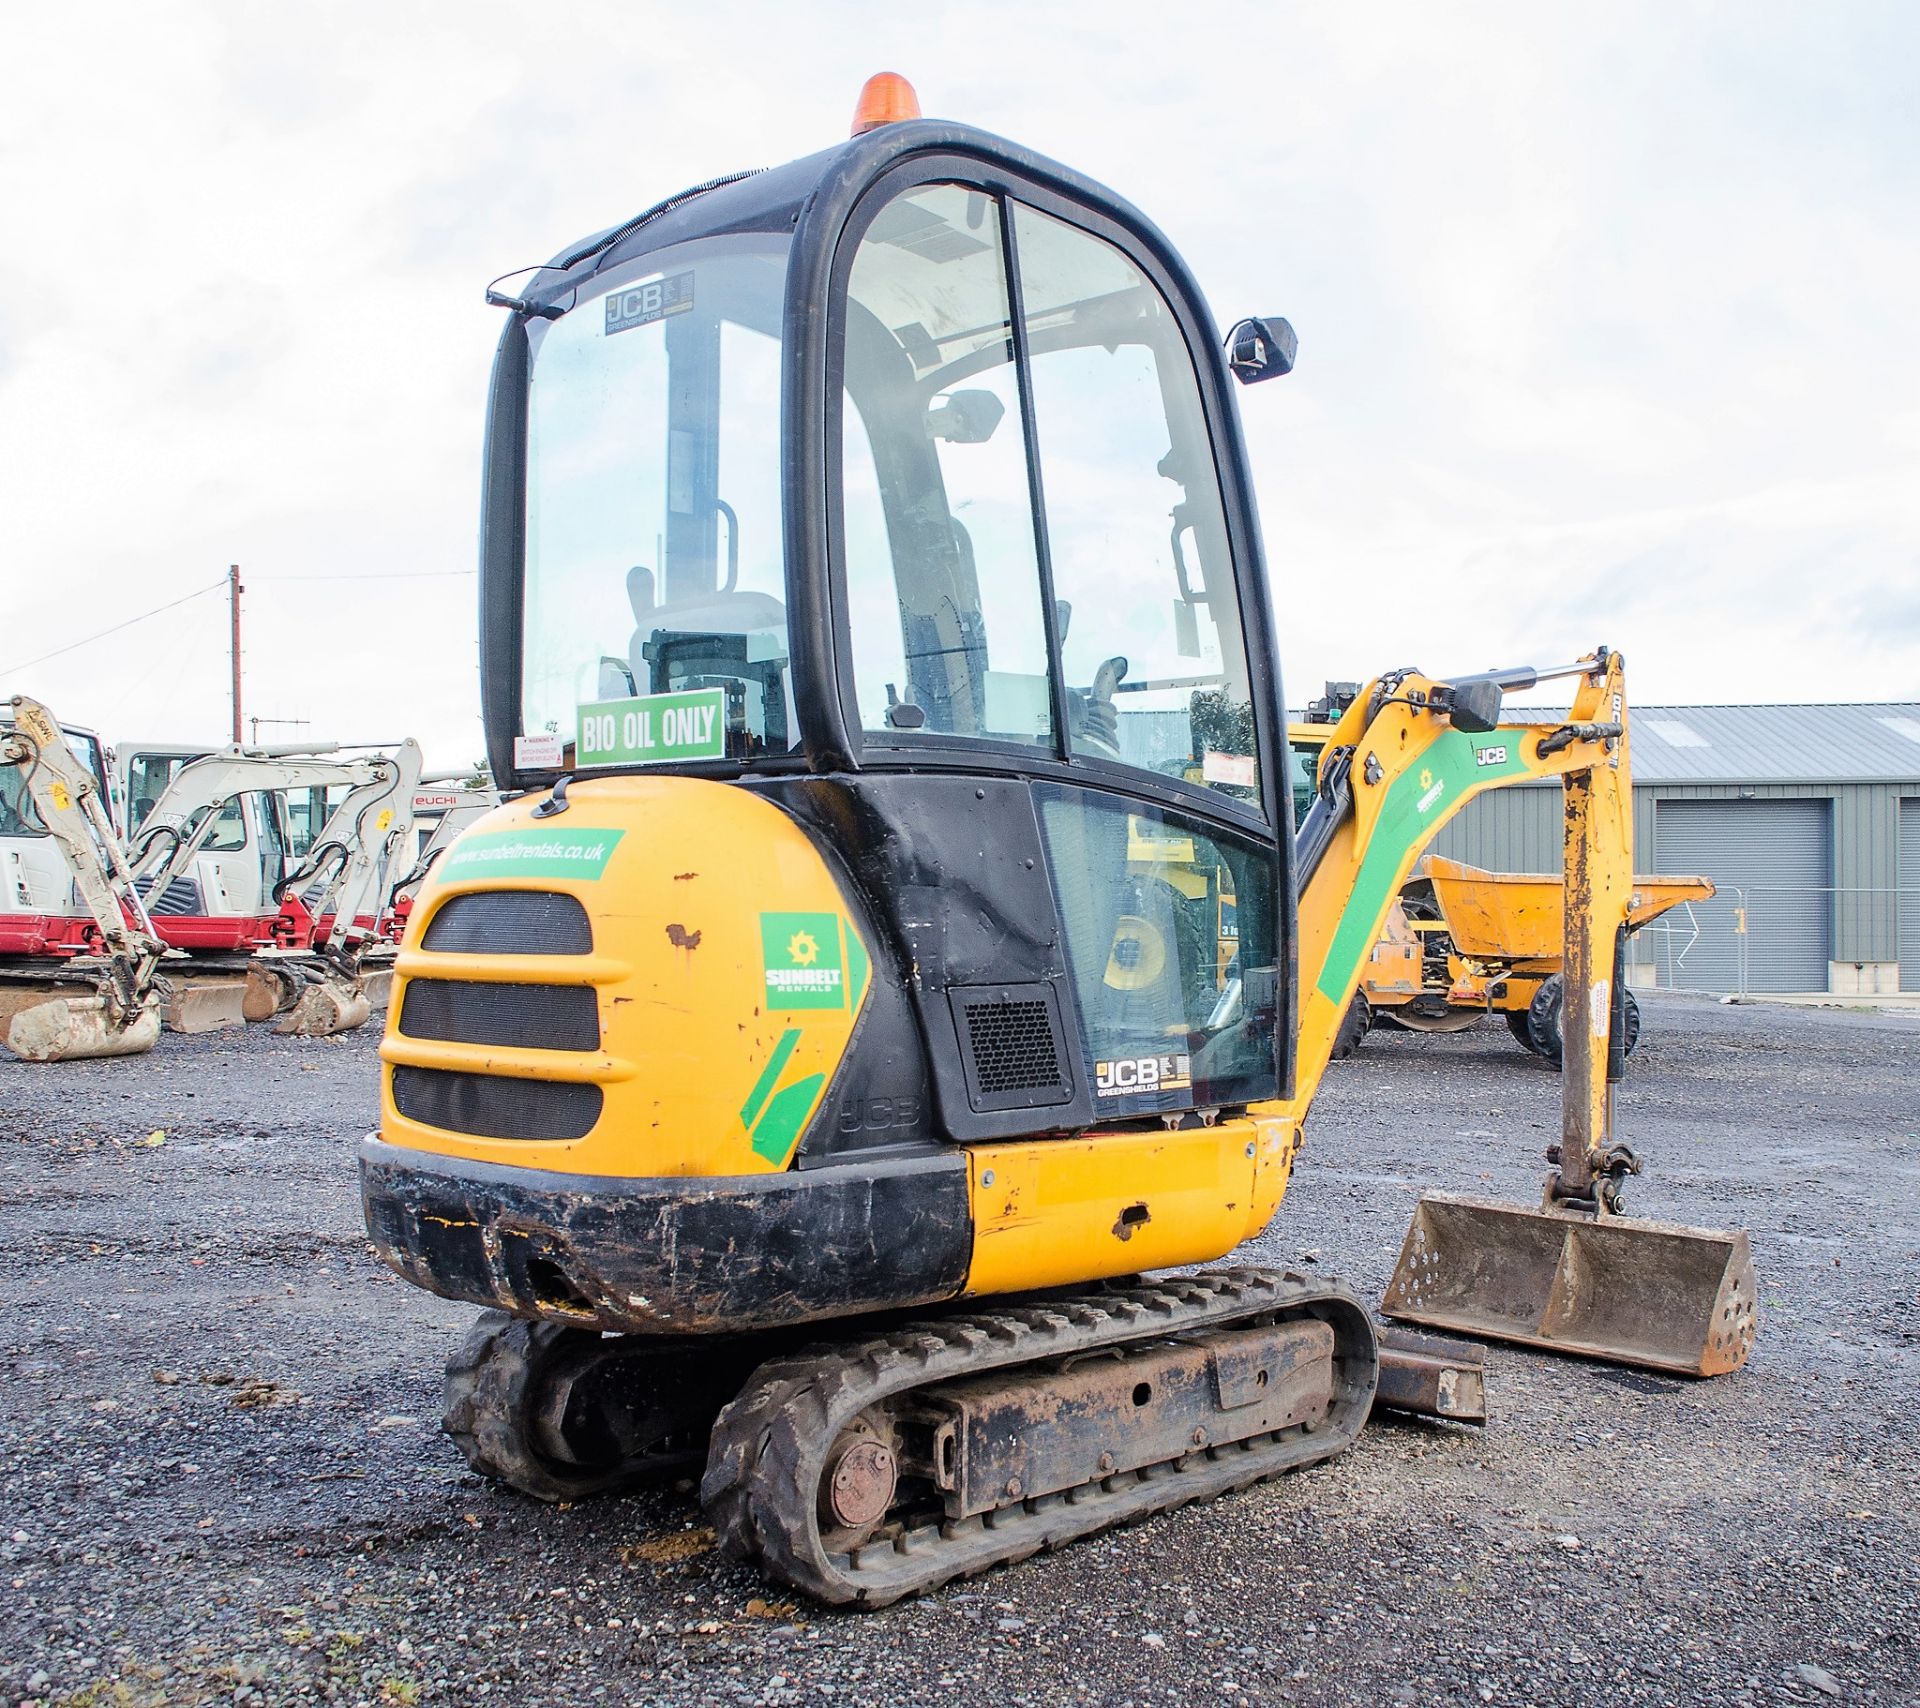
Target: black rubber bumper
x,y
672,1256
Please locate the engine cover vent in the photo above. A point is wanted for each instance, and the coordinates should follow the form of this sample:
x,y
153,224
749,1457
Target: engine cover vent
x,y
1012,1046
530,1016
491,1106
510,922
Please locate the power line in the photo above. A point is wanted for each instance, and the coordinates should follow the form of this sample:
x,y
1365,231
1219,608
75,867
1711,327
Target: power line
x,y
397,575
87,640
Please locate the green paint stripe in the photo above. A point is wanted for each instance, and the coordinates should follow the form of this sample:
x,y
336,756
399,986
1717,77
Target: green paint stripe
x,y
1411,816
779,1128
763,1086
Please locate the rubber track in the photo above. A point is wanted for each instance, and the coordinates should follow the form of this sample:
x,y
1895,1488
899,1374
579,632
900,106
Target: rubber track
x,y
769,1446
491,1382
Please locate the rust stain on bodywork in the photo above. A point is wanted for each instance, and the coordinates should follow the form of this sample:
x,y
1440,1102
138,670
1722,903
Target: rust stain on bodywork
x,y
681,938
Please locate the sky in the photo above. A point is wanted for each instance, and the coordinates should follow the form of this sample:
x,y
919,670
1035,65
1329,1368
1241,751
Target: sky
x,y
1606,315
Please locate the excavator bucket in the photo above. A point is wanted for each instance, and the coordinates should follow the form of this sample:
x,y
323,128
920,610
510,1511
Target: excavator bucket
x,y
324,1007
1652,1294
73,1028
1576,1274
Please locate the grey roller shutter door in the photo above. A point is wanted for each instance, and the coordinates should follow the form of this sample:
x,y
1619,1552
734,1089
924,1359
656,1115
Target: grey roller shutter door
x,y
1778,854
1910,895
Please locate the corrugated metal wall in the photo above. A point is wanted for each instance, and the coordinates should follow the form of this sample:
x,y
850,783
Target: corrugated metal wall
x,y
1518,830
1910,895
1870,916
1508,830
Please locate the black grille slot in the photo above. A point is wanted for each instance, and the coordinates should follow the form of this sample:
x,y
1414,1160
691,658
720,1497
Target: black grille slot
x,y
532,1016
1011,1044
180,896
492,1107
510,922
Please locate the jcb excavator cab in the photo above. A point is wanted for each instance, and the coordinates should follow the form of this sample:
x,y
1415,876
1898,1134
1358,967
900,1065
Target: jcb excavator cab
x,y
903,486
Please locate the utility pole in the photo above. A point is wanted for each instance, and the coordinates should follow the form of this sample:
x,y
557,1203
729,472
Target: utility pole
x,y
234,590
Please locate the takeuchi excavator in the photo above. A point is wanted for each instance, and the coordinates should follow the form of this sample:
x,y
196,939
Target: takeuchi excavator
x,y
306,946
896,945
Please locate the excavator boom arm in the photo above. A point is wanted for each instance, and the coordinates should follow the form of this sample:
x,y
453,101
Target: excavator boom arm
x,y
1397,769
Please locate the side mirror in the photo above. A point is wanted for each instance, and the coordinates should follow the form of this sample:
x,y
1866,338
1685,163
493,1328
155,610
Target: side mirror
x,y
1472,705
966,418
1261,349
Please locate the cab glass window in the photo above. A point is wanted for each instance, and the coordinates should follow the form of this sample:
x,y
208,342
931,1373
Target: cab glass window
x,y
18,815
654,560
1151,642
148,775
1303,768
229,833
1171,950
937,525
307,813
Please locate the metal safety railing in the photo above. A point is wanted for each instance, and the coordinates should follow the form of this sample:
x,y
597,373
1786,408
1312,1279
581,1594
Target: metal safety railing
x,y
1784,939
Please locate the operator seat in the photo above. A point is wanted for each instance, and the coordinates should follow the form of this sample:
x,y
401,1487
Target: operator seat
x,y
722,619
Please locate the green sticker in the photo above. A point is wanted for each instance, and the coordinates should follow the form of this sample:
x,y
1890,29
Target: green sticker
x,y
528,853
801,952
655,729
779,1128
769,1077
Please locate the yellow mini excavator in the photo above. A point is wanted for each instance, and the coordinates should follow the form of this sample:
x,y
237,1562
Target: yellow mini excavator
x,y
897,942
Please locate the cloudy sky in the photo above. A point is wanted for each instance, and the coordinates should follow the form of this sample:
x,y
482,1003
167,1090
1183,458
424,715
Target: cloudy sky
x,y
1606,313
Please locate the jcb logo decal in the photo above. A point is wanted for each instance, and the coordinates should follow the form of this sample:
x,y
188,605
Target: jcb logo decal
x,y
1131,1075
642,305
1489,756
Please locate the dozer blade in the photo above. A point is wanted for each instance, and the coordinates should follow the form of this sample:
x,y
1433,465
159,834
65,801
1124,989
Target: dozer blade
x,y
74,1028
1653,1294
205,1005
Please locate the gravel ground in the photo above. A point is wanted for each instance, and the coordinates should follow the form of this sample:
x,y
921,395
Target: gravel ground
x,y
221,1476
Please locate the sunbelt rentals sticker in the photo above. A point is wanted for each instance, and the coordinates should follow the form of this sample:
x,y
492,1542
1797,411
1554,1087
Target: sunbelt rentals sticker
x,y
801,952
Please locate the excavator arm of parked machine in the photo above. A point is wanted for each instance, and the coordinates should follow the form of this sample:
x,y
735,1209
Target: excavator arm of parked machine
x,y
123,1017
184,816
352,869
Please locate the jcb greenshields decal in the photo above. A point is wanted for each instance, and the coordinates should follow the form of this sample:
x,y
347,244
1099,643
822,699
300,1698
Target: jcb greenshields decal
x,y
580,854
804,965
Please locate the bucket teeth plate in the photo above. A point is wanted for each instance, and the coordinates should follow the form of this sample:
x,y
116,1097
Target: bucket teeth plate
x,y
1652,1294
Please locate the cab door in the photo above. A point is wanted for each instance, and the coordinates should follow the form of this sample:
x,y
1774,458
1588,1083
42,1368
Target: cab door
x,y
1039,579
